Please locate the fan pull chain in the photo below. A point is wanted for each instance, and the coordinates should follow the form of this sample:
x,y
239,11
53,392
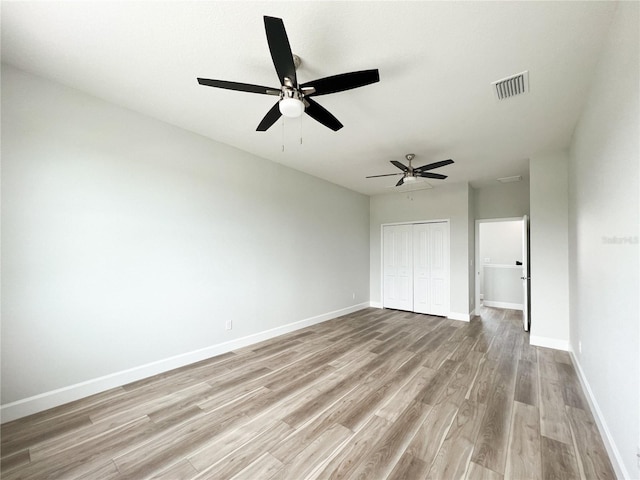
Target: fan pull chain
x,y
283,134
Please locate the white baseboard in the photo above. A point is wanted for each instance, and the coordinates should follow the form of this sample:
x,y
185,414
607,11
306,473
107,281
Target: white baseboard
x,y
554,343
512,306
612,450
37,403
464,317
375,305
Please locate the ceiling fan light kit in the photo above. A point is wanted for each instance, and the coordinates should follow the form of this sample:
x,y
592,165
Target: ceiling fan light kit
x,y
295,98
291,107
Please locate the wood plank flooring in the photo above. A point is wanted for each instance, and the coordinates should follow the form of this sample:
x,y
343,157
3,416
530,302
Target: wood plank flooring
x,y
378,394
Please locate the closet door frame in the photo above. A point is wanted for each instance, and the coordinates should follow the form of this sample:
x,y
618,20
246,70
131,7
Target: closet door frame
x,y
448,247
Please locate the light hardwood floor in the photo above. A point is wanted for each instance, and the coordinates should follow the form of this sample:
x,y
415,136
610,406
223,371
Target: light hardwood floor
x,y
378,394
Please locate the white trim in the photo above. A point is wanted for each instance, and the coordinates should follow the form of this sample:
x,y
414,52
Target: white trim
x,y
413,222
546,342
512,306
610,445
60,396
464,317
375,304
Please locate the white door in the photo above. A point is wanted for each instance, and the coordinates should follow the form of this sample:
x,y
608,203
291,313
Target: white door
x,y
421,271
526,275
431,268
398,267
439,268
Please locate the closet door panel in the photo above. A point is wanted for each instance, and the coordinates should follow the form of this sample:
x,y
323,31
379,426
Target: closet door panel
x,y
398,267
439,268
421,280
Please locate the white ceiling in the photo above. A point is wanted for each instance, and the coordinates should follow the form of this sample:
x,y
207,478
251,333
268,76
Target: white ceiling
x,y
436,61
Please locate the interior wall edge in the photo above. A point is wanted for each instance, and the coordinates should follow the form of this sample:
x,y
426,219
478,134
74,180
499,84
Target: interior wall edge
x,y
44,401
607,438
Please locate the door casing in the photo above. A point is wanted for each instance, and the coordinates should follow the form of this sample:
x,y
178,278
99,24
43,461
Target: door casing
x,y
478,263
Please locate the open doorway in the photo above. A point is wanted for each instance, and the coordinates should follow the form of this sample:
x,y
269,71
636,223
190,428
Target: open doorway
x,y
502,264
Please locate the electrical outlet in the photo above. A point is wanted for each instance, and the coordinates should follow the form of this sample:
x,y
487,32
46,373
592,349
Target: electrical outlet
x,y
229,325
353,295
579,346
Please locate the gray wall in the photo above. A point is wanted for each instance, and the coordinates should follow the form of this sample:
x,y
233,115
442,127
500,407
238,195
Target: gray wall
x,y
603,226
549,250
471,248
502,200
127,241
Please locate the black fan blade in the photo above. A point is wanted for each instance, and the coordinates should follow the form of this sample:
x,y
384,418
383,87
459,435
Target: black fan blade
x,y
437,176
241,87
400,182
342,82
385,175
270,118
280,49
322,115
431,166
400,166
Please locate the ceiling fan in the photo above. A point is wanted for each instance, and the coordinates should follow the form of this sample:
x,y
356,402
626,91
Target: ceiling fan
x,y
411,174
295,98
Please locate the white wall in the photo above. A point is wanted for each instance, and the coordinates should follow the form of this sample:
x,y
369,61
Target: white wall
x,y
444,202
502,287
603,219
127,241
501,242
549,250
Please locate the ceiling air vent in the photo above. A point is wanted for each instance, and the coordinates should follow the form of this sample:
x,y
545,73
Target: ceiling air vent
x,y
511,86
515,178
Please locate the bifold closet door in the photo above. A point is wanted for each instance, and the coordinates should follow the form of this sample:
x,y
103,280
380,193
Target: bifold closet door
x,y
398,267
430,268
416,267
